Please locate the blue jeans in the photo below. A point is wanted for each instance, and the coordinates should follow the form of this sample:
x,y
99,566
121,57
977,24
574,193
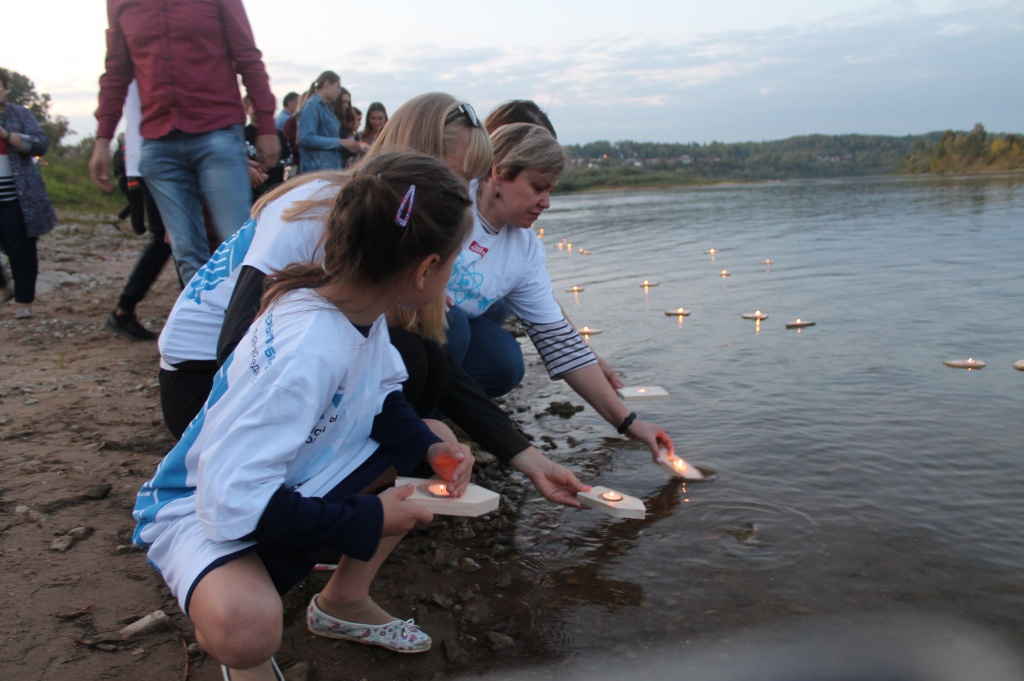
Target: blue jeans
x,y
182,170
486,351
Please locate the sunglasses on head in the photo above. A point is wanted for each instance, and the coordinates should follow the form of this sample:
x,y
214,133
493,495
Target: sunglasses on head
x,y
463,110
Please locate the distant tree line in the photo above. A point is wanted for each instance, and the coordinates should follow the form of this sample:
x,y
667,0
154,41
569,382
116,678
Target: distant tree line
x,y
957,152
629,163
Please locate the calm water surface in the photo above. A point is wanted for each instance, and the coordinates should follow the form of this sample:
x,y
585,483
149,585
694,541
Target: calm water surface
x,y
855,472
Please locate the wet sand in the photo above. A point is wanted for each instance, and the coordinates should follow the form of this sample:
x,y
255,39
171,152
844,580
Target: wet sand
x,y
80,431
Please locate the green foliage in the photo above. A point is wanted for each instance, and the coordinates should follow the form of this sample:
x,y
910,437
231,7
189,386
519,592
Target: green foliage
x,y
973,152
23,91
629,163
69,185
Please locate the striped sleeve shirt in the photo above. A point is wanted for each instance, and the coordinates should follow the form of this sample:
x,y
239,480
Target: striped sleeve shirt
x,y
560,346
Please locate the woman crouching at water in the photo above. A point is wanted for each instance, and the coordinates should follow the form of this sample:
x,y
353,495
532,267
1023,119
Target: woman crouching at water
x,y
501,268
303,421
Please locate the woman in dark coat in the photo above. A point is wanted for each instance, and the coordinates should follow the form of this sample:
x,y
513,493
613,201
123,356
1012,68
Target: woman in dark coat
x,y
25,209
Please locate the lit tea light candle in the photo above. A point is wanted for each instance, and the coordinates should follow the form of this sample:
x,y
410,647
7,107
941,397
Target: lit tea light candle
x,y
439,489
540,232
582,251
969,363
646,392
758,315
725,273
611,496
648,284
711,251
568,247
574,289
677,468
587,331
798,323
560,245
766,261
678,312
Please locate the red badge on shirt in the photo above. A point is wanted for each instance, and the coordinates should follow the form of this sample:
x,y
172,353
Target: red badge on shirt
x,y
478,249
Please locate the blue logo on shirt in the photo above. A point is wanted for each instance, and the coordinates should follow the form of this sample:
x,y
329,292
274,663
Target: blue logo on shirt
x,y
465,284
223,262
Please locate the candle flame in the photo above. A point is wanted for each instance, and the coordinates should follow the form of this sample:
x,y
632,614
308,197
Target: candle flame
x,y
439,489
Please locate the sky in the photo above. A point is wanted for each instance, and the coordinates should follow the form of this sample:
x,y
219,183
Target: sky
x,y
643,70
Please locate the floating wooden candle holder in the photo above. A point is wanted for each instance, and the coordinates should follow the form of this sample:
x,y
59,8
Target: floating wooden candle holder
x,y
476,501
643,392
969,363
604,500
678,468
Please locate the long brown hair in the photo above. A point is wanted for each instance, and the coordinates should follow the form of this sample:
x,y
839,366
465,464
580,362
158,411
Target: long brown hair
x,y
393,212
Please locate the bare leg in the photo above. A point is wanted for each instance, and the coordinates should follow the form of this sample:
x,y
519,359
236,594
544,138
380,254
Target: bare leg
x,y
238,618
346,595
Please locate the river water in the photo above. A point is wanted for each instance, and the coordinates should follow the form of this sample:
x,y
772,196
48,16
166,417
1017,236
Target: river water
x,y
854,472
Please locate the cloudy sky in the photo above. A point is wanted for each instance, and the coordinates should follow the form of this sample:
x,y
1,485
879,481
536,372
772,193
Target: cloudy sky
x,y
648,70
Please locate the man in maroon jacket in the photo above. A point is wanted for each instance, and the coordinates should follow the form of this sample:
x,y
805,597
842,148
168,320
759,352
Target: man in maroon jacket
x,y
186,56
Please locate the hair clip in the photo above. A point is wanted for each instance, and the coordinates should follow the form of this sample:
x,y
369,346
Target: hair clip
x,y
405,208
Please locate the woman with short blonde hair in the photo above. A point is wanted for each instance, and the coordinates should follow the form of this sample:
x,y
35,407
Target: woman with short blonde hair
x,y
528,162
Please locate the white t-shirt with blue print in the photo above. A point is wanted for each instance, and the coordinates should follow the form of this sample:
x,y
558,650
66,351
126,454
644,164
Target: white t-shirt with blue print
x,y
293,405
509,265
267,243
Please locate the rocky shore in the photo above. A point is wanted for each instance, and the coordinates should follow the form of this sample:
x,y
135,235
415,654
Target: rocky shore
x,y
80,430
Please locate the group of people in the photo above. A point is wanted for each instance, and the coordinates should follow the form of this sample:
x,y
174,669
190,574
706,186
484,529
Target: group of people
x,y
378,295
322,128
313,356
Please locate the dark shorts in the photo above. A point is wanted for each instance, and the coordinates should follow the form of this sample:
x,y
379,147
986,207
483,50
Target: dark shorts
x,y
289,564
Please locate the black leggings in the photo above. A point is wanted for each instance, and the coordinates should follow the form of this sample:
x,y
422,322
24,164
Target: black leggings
x,y
183,393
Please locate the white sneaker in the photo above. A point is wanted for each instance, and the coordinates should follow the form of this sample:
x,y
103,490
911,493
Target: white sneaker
x,y
399,636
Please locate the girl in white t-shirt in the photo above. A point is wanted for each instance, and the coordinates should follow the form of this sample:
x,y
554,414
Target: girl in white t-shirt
x,y
502,266
306,417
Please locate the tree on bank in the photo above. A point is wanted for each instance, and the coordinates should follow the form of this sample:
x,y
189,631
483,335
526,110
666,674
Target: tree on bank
x,y
975,151
23,92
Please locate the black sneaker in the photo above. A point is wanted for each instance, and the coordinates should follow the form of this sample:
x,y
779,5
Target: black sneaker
x,y
128,326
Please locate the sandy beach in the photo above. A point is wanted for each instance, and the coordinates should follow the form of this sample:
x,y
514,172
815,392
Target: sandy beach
x,y
80,430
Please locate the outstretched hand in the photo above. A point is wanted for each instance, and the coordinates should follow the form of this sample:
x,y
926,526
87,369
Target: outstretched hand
x,y
554,481
400,515
652,435
454,463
